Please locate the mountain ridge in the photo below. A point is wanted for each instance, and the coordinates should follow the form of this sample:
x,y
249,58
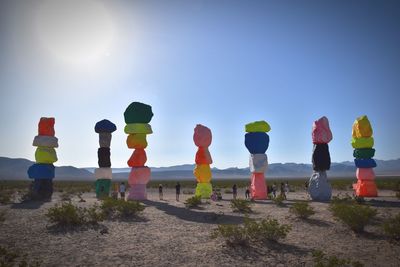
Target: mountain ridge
x,y
15,169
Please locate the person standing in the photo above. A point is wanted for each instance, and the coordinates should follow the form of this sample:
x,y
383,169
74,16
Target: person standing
x,y
287,188
247,193
283,190
160,191
122,189
234,191
177,190
274,190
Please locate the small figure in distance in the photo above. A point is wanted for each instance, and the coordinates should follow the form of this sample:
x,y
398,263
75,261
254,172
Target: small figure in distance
x,y
114,193
274,190
160,191
247,194
177,190
122,189
283,190
234,191
214,196
287,188
306,188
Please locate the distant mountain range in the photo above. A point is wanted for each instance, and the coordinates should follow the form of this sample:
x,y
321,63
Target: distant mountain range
x,y
15,169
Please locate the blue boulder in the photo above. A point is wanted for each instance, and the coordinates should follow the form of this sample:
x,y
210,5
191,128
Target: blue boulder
x,y
365,163
41,171
257,142
105,126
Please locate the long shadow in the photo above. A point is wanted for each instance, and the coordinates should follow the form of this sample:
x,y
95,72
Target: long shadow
x,y
383,203
316,222
59,230
256,251
195,216
28,205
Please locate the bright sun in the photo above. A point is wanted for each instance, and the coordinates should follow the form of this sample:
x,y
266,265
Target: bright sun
x,y
78,32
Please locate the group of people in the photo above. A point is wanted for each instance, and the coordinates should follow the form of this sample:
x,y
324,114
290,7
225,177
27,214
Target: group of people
x,y
216,195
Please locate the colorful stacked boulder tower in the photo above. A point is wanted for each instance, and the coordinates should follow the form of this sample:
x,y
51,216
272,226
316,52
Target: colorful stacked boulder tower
x,y
43,171
103,174
319,187
362,143
137,117
256,141
202,138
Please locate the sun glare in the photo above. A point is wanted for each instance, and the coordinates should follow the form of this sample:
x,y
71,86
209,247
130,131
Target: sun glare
x,y
78,32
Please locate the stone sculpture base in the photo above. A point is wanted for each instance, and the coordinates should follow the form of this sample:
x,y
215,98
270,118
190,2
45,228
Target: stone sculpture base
x,y
319,187
365,188
137,192
258,188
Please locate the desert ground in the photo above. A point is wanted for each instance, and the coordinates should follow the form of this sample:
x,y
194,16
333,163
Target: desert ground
x,y
169,234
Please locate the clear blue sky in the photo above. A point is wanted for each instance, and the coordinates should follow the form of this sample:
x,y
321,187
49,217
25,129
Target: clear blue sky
x,y
219,63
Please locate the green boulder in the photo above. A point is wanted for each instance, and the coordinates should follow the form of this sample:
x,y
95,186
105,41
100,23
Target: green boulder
x,y
138,112
364,153
258,126
103,188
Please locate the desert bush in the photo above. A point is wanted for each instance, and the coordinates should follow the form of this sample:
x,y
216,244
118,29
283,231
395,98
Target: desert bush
x,y
302,210
66,196
69,215
398,194
391,227
228,191
241,205
267,230
234,235
322,260
6,196
193,202
119,208
352,214
11,258
278,200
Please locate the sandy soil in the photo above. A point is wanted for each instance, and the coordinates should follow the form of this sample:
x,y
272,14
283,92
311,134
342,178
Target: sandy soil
x,y
168,234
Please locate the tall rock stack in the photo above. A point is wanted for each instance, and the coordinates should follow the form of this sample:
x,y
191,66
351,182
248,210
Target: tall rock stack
x,y
43,171
256,141
137,117
202,138
362,143
103,174
319,187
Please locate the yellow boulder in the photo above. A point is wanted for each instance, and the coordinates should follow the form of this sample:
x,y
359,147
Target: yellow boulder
x,y
362,127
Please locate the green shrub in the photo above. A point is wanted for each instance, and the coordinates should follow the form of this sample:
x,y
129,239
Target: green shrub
x,y
10,258
69,215
119,208
278,200
321,260
241,205
302,210
193,202
267,230
352,214
392,227
234,235
6,196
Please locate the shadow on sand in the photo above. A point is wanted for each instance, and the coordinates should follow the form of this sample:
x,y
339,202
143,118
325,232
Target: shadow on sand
x,y
193,215
383,203
28,205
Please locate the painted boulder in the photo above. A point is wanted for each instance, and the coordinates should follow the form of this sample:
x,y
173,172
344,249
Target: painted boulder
x,y
46,155
138,158
258,187
362,127
46,126
41,171
202,136
258,162
105,126
321,158
365,163
203,156
365,174
257,126
45,141
321,133
319,187
256,143
138,112
139,175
